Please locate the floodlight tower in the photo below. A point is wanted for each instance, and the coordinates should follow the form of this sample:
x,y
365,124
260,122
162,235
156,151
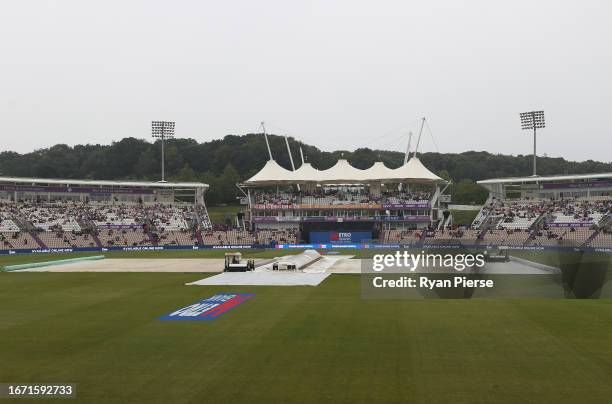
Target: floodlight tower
x,y
533,120
162,130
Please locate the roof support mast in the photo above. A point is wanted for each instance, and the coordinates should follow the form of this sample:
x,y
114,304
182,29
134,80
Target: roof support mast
x,y
267,142
289,151
416,149
408,148
290,157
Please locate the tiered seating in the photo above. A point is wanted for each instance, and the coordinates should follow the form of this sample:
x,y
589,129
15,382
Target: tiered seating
x,y
405,197
569,212
80,240
576,220
116,215
54,240
517,237
452,236
402,236
518,222
49,217
124,237
517,215
228,237
177,238
603,239
468,235
273,198
579,212
567,222
6,218
494,237
17,240
61,239
555,236
341,196
278,236
168,217
61,225
444,236
8,225
560,236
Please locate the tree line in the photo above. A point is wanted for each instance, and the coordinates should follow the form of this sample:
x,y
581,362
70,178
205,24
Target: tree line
x,y
223,162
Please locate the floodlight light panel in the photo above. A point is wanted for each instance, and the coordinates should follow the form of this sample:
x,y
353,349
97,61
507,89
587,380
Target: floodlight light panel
x,y
162,128
157,127
532,120
169,129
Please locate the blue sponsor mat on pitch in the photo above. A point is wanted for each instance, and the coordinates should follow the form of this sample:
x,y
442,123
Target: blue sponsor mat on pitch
x,y
209,308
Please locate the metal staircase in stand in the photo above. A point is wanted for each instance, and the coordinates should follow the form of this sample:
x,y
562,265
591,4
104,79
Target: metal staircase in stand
x,y
205,223
27,227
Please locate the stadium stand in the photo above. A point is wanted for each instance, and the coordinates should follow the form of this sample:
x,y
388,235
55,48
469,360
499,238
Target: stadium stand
x,y
58,225
572,222
340,196
58,214
123,215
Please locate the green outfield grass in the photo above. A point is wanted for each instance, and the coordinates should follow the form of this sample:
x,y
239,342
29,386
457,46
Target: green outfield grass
x,y
217,214
297,344
463,217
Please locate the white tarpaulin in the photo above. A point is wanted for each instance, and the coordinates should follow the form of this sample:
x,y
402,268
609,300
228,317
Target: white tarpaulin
x,y
312,269
264,278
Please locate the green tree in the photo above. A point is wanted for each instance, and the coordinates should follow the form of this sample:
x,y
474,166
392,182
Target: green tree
x,y
133,158
227,184
468,192
147,165
444,175
186,174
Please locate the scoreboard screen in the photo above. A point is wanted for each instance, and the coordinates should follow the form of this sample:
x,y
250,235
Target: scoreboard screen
x,y
340,237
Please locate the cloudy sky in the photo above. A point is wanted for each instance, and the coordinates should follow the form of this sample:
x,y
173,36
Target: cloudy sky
x,y
336,74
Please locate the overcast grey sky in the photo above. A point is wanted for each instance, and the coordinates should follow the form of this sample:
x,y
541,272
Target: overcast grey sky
x,y
336,74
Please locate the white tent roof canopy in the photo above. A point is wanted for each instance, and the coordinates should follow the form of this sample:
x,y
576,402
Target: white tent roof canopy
x,y
414,170
271,173
343,173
